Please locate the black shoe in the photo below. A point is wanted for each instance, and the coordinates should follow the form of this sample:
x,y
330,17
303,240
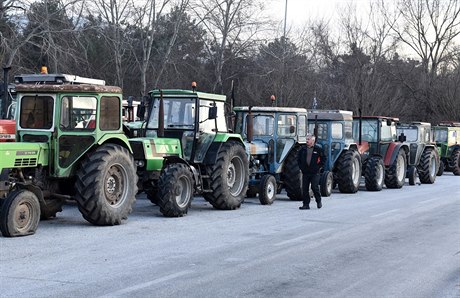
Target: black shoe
x,y
304,207
319,205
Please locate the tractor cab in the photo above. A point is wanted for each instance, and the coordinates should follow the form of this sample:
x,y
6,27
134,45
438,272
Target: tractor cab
x,y
67,113
377,133
195,119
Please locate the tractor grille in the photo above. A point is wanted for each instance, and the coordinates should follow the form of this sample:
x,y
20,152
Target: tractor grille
x,y
25,162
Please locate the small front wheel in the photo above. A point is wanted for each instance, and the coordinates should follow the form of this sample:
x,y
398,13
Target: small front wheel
x,y
267,191
175,190
20,214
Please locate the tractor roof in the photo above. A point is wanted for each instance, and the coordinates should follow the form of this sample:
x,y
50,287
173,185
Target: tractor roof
x,y
55,79
187,93
339,115
270,109
377,117
82,88
449,124
413,124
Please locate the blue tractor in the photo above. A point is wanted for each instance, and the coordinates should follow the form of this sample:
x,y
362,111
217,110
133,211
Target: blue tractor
x,y
334,133
272,138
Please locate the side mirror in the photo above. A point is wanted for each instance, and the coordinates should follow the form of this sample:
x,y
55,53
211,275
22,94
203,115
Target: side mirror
x,y
212,114
291,129
402,138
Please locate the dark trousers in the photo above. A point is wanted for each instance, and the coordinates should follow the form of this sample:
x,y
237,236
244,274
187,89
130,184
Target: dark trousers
x,y
313,180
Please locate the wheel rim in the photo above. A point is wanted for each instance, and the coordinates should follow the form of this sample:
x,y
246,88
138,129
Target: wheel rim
x,y
356,175
380,174
400,168
433,166
115,190
329,183
235,176
270,191
182,191
23,216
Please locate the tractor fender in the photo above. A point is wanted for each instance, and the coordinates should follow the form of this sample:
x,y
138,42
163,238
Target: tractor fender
x,y
118,139
392,152
35,189
214,148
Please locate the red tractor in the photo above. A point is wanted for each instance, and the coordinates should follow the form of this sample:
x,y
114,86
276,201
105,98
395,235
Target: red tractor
x,y
383,154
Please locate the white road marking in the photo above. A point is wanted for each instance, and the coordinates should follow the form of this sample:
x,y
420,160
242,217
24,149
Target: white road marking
x,y
428,201
385,213
147,284
299,239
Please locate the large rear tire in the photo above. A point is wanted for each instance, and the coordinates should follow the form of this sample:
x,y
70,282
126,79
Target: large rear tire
x,y
175,190
396,174
428,166
292,177
325,184
267,191
20,214
107,185
455,164
349,171
374,174
229,177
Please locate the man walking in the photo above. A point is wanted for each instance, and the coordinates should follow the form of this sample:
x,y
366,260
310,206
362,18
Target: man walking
x,y
311,161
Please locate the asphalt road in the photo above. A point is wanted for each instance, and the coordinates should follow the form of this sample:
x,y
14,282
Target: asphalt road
x,y
393,243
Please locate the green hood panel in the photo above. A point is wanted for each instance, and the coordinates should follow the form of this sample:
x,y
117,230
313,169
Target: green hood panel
x,y
23,155
154,149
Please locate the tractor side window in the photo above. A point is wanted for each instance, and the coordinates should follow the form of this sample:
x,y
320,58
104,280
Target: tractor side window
x,y
337,130
207,125
109,117
302,126
440,136
387,134
78,113
286,125
37,112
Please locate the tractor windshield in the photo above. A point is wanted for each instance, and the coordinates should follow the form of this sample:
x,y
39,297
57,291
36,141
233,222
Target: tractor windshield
x,y
179,113
410,133
369,130
263,125
440,135
36,112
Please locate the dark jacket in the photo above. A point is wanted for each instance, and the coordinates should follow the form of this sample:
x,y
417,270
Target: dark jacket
x,y
317,162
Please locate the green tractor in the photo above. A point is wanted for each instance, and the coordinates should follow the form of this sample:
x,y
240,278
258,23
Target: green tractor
x,y
423,159
70,145
447,138
186,149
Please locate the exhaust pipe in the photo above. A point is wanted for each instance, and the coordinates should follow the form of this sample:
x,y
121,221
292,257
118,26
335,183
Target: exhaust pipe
x,y
6,97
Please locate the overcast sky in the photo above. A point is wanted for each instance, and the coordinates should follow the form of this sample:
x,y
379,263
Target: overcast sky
x,y
300,11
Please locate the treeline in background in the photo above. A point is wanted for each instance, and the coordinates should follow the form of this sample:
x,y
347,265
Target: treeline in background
x,y
396,58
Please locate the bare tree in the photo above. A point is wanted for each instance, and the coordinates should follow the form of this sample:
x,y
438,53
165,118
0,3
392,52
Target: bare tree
x,y
232,26
427,27
116,13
